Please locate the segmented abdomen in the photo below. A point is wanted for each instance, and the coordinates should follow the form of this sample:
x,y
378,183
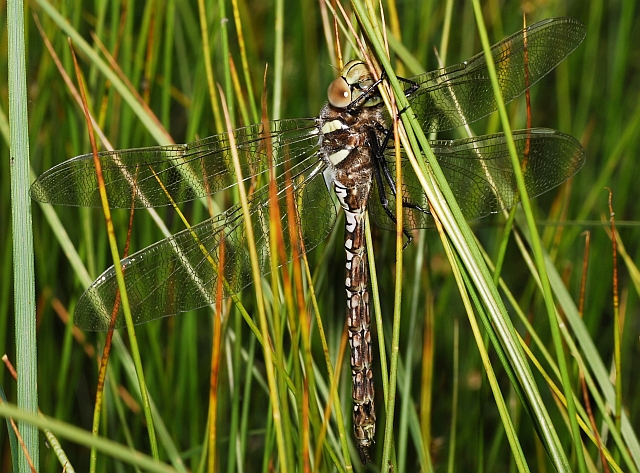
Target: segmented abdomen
x,y
358,321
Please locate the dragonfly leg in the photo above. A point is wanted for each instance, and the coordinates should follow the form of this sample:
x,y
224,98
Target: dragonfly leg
x,y
373,90
413,86
408,92
381,167
381,164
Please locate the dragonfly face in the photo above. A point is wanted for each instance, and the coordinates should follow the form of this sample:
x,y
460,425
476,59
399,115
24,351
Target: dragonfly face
x,y
354,83
346,142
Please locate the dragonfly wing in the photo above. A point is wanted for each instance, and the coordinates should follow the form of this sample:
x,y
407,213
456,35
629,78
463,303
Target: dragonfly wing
x,y
481,176
156,176
450,97
180,273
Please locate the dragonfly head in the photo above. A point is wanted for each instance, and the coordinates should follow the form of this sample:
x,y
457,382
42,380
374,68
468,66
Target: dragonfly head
x,y
348,89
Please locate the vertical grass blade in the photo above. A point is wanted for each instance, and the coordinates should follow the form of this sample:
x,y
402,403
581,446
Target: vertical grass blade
x,y
23,267
464,243
556,451
121,284
269,357
157,55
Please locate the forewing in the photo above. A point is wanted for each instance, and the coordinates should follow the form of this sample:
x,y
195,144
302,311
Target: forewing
x,y
481,176
156,176
450,97
180,273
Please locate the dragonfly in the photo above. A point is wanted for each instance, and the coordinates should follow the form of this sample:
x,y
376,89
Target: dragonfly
x,y
347,147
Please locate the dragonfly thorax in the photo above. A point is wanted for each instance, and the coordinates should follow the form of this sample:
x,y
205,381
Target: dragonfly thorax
x,y
352,126
349,141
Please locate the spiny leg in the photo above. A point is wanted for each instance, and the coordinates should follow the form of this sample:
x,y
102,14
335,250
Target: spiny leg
x,y
372,90
381,168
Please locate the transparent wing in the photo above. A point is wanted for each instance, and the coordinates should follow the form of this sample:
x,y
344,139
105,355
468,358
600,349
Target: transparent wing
x,y
180,273
480,174
147,177
450,97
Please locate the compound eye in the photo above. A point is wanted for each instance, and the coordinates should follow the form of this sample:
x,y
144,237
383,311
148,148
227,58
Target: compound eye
x,y
339,93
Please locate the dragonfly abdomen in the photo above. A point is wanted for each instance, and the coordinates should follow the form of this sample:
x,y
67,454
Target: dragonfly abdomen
x,y
358,317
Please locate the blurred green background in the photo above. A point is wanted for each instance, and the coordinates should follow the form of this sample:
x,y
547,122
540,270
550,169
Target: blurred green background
x,y
593,95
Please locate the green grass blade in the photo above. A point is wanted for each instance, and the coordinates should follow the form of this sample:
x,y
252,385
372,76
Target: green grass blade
x,y
158,133
553,442
23,266
66,431
507,422
159,47
269,360
591,354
